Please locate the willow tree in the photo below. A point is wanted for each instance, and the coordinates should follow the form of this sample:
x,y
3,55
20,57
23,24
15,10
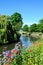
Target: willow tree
x,y
3,22
9,27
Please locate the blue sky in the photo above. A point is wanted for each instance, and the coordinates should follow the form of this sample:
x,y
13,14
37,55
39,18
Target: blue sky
x,y
31,10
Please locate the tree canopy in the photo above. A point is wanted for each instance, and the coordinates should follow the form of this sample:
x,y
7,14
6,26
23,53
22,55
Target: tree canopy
x,y
9,27
37,27
16,19
25,28
33,28
41,21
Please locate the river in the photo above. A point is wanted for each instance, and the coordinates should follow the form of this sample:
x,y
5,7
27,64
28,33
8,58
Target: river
x,y
24,41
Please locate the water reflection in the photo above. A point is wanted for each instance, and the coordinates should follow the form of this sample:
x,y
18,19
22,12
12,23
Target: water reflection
x,y
25,41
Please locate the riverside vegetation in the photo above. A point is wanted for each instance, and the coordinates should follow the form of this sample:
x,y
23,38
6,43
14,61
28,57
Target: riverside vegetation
x,y
9,27
30,56
33,55
9,33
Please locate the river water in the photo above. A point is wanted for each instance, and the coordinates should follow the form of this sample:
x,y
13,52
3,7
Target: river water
x,y
24,41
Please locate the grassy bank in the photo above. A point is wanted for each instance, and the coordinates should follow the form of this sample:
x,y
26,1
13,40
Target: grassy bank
x,y
30,56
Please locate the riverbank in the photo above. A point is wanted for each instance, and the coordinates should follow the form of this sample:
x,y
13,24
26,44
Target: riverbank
x,y
26,56
36,34
33,55
33,34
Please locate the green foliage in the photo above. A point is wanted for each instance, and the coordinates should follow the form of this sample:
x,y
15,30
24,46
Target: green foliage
x,y
40,27
3,22
9,26
10,33
15,37
41,21
16,19
30,56
37,27
33,28
25,28
17,26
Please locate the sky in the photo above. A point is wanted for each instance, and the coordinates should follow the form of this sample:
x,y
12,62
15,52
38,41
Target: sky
x,y
31,10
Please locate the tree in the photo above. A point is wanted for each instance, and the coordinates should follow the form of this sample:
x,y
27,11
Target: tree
x,y
3,22
41,21
16,19
9,32
25,28
33,28
9,27
40,27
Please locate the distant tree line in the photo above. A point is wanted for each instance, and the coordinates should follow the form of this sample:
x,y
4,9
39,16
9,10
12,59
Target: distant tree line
x,y
34,27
